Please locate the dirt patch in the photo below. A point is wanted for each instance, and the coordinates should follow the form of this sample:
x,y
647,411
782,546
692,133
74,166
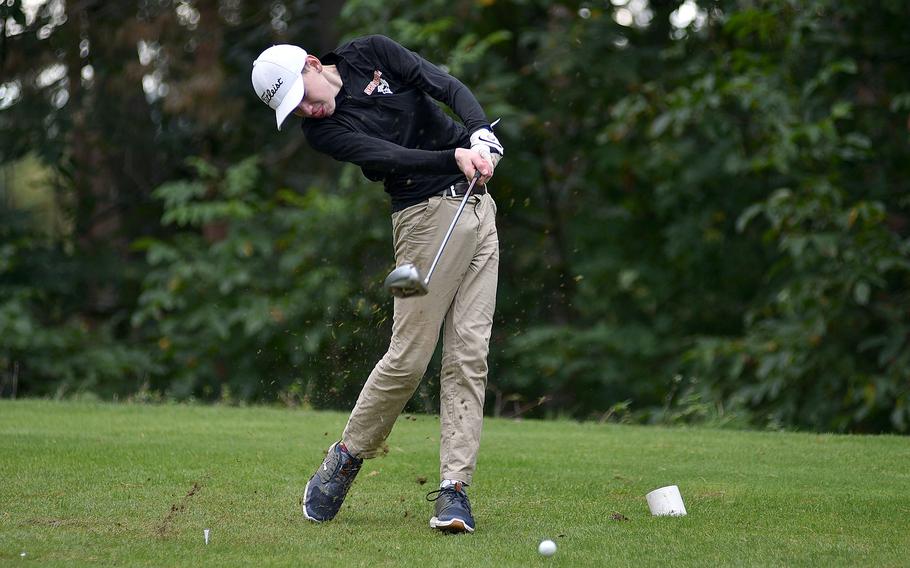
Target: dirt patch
x,y
164,526
55,522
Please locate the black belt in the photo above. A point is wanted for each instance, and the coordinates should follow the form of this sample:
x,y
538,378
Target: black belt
x,y
460,188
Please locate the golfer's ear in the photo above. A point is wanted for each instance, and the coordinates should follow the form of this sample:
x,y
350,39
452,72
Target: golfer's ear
x,y
312,62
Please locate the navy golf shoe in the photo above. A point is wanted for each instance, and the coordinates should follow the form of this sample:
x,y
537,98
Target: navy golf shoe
x,y
325,491
453,510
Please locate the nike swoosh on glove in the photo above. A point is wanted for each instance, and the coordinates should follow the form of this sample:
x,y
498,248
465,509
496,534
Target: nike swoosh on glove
x,y
485,143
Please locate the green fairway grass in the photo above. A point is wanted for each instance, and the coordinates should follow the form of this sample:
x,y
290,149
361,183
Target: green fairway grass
x,y
136,485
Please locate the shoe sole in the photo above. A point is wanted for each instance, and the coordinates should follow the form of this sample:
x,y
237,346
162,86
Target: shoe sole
x,y
303,505
451,526
306,490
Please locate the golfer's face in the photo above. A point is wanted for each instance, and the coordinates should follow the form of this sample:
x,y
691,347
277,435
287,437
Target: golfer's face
x,y
318,102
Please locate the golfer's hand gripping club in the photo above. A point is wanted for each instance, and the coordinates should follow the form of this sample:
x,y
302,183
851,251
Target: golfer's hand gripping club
x,y
405,281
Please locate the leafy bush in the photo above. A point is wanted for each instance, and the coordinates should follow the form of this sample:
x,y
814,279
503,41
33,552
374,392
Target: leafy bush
x,y
47,347
702,222
823,342
265,295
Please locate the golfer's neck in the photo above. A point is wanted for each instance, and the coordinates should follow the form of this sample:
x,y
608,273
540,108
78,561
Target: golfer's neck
x,y
333,78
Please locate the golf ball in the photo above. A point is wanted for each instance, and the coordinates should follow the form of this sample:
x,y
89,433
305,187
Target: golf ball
x,y
547,547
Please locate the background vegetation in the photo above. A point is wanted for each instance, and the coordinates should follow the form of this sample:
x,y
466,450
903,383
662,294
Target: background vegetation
x,y
703,209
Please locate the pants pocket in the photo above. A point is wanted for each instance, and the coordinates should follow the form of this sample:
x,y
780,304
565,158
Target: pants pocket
x,y
414,231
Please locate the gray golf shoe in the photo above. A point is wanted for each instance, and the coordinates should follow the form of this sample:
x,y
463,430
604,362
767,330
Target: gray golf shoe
x,y
453,510
326,490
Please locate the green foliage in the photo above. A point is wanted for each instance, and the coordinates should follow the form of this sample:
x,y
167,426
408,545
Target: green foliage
x,y
827,347
256,296
46,346
823,342
699,224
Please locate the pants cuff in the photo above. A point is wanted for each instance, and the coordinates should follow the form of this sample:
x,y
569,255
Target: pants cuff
x,y
358,453
462,477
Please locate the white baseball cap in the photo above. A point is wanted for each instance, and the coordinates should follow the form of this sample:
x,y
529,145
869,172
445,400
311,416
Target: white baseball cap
x,y
277,79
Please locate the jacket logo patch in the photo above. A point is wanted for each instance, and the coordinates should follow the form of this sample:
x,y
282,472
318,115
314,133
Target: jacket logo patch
x,y
377,84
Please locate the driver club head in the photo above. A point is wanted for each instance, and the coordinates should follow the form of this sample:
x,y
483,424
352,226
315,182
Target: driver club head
x,y
405,281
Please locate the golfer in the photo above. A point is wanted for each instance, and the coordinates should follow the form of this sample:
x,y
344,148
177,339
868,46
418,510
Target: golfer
x,y
371,102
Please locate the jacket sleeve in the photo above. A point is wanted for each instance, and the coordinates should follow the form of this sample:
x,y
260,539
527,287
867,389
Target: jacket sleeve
x,y
375,154
417,71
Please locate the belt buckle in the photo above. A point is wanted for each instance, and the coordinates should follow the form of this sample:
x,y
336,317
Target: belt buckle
x,y
452,189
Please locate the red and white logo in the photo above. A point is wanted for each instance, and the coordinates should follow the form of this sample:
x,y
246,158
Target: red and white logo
x,y
377,84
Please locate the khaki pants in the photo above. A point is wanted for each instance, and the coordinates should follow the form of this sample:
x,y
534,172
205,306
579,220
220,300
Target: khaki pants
x,y
461,301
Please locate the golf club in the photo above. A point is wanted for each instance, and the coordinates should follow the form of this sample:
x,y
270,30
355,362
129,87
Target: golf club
x,y
405,281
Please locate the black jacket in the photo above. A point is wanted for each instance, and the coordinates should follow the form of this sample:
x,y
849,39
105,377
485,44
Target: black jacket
x,y
387,123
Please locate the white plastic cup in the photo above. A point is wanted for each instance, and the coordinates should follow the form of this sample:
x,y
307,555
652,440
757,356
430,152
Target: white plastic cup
x,y
666,501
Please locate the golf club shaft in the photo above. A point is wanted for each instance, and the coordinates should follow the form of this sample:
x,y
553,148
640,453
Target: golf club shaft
x,y
464,201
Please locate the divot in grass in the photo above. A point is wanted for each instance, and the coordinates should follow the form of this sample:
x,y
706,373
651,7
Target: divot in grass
x,y
177,508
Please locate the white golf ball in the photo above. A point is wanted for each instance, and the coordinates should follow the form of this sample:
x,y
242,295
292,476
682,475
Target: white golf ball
x,y
547,547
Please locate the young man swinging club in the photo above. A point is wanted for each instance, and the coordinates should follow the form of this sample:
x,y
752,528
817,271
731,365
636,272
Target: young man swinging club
x,y
370,102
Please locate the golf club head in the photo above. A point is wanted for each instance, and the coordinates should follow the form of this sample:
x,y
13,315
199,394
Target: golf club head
x,y
405,281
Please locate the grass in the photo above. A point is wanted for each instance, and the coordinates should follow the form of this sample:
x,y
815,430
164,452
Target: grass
x,y
136,485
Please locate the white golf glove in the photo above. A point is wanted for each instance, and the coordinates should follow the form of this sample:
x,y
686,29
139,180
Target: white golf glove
x,y
485,143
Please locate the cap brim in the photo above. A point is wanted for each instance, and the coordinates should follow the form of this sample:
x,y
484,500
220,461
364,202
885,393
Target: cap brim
x,y
290,101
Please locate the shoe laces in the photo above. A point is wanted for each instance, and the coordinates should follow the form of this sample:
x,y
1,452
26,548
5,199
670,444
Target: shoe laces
x,y
346,468
451,493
